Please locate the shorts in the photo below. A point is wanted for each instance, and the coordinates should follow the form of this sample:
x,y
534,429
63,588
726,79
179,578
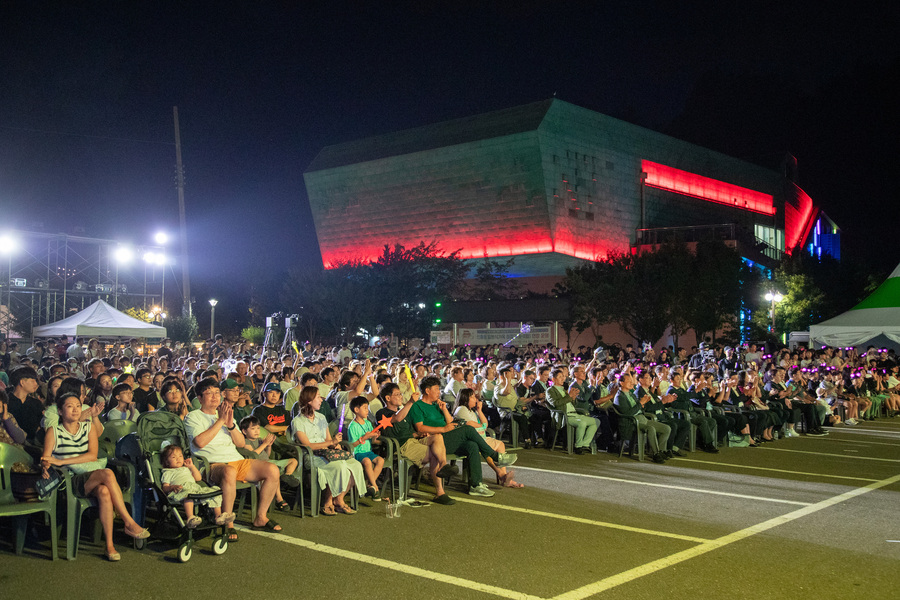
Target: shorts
x,y
242,467
361,455
415,450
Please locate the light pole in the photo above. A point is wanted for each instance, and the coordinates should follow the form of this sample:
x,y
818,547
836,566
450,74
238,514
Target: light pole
x,y
212,318
155,258
123,255
8,246
773,298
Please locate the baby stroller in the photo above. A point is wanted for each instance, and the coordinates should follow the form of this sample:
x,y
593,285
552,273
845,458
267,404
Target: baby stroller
x,y
155,430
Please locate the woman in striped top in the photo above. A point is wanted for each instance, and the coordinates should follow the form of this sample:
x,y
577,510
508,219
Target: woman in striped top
x,y
73,444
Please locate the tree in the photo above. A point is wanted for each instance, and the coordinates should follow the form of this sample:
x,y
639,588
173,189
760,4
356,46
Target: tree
x,y
492,281
182,328
138,313
254,335
712,299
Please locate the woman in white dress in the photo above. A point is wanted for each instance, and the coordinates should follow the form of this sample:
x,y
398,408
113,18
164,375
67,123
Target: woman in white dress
x,y
335,476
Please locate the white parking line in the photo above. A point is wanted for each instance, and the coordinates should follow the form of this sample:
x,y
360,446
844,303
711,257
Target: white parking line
x,y
720,464
668,561
667,486
394,566
838,455
540,513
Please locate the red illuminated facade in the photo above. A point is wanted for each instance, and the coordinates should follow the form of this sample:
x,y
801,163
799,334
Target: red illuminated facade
x,y
549,183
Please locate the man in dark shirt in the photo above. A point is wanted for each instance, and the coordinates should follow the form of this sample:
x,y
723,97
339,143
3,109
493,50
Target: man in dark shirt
x,y
23,404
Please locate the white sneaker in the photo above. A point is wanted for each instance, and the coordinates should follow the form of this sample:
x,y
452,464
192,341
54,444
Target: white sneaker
x,y
480,490
850,422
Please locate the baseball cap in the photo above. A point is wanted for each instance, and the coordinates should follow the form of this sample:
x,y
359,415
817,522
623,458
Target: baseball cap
x,y
228,384
273,387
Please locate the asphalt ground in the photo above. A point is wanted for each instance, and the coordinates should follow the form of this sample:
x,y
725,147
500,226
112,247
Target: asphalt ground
x,y
803,517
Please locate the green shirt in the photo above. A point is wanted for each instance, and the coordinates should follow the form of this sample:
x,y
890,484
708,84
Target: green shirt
x,y
427,414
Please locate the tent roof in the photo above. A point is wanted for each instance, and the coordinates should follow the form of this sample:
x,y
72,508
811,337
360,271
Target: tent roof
x,y
877,315
100,319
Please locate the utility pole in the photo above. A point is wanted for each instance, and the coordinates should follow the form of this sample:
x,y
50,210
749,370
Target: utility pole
x,y
179,178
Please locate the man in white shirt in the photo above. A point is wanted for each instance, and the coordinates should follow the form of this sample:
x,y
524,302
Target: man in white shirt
x,y
215,436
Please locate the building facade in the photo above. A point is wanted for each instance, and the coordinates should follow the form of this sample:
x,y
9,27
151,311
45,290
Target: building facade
x,y
550,184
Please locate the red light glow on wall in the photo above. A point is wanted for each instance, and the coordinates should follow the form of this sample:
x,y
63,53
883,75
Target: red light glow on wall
x,y
472,248
705,188
799,211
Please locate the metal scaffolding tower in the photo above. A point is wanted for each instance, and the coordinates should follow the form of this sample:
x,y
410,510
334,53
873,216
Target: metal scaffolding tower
x,y
47,277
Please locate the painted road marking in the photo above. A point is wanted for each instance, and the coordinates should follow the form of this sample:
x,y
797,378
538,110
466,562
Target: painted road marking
x,y
394,566
864,443
720,464
540,513
670,487
678,557
896,460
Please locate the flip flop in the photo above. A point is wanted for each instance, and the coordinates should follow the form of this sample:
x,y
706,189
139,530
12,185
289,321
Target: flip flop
x,y
346,510
328,511
270,525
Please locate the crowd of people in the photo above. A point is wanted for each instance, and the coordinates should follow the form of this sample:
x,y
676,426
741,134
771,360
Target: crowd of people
x,y
246,411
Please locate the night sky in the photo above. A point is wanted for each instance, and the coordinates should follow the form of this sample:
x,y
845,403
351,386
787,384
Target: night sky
x,y
87,90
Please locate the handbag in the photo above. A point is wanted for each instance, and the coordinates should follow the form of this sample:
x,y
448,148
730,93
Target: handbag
x,y
331,454
46,486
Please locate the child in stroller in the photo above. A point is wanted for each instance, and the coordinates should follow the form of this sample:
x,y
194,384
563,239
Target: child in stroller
x,y
179,479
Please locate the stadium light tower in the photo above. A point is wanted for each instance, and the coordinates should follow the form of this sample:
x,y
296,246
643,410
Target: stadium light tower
x,y
8,247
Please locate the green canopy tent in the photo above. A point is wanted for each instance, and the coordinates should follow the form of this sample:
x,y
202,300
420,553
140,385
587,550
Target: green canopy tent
x,y
874,321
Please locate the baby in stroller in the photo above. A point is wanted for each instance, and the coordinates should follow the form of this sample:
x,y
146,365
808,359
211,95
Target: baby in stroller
x,y
179,478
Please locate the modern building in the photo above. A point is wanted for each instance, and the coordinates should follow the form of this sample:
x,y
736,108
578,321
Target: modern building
x,y
552,184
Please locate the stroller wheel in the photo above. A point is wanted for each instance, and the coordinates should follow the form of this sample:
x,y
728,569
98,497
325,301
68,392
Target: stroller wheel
x,y
220,546
184,552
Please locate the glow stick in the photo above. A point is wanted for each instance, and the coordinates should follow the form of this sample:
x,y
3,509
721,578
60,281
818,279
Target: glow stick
x,y
343,414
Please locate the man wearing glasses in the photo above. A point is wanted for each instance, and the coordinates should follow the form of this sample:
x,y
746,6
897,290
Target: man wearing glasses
x,y
215,436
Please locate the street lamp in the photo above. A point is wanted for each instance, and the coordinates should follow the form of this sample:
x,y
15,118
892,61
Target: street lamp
x,y
161,238
123,255
8,246
212,318
773,298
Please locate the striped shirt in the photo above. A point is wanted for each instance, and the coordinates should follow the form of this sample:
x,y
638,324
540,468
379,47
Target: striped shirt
x,y
69,445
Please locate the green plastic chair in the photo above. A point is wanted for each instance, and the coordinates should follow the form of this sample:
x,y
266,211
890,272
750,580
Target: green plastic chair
x,y
113,431
19,511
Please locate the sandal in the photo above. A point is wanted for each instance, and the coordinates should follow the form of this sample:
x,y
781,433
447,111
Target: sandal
x,y
282,506
346,510
232,535
507,481
328,511
269,525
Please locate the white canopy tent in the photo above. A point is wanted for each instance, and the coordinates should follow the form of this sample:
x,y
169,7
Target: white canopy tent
x,y
100,320
874,320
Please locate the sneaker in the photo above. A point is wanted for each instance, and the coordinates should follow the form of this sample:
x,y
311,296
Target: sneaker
x,y
850,422
679,453
481,490
505,460
659,458
816,433
444,499
290,481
